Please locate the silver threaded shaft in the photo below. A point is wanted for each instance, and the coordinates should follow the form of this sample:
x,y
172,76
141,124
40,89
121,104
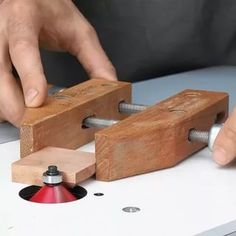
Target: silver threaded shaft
x,y
98,123
131,108
123,108
200,136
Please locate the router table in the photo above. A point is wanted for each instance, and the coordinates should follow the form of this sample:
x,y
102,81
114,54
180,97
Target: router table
x,y
192,197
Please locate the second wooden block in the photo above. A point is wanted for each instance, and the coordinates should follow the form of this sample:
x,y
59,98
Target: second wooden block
x,y
157,138
58,122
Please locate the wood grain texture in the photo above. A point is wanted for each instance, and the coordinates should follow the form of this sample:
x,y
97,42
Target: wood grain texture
x,y
76,166
58,122
157,138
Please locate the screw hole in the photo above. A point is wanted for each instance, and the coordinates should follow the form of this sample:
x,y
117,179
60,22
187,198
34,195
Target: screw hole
x,y
83,126
98,194
131,209
109,85
61,96
220,117
176,110
192,94
190,133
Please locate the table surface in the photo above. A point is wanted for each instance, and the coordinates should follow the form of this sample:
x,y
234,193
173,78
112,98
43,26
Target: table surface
x,y
192,197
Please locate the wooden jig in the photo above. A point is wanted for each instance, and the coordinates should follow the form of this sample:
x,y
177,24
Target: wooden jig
x,y
153,139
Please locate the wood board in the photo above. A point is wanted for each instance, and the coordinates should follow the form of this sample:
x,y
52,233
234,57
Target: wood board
x,y
76,166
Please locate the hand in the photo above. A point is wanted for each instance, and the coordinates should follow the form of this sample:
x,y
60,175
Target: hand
x,y
224,149
57,25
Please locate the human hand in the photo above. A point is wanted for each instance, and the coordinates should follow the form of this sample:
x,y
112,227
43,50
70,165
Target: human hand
x,y
56,25
224,148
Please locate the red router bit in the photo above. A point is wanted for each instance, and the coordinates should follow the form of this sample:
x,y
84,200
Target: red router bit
x,y
53,191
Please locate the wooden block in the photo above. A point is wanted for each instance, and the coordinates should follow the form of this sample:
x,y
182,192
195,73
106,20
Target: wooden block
x,y
157,138
76,166
59,122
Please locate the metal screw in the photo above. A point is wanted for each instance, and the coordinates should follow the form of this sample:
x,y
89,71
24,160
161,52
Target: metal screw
x,y
131,108
200,136
123,108
52,171
98,123
52,175
207,137
131,209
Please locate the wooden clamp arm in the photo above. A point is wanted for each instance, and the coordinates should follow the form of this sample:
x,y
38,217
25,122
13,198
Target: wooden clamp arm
x,y
157,138
153,139
58,122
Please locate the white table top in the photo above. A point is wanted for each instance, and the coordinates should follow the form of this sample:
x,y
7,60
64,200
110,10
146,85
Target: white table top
x,y
190,198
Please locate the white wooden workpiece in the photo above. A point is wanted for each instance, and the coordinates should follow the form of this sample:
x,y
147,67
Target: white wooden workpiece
x,y
190,198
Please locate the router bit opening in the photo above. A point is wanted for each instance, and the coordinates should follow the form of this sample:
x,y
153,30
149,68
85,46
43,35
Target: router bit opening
x,y
26,193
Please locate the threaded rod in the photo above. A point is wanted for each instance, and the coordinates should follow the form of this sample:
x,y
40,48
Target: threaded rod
x,y
200,136
131,108
98,123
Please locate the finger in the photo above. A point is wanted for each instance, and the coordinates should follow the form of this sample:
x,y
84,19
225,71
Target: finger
x,y
224,149
25,55
88,50
11,98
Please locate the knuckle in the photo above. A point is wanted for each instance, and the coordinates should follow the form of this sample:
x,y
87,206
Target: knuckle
x,y
27,76
17,7
20,45
112,68
89,31
20,18
230,132
33,79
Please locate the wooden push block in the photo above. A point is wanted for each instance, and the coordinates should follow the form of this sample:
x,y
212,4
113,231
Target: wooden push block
x,y
157,138
76,166
59,122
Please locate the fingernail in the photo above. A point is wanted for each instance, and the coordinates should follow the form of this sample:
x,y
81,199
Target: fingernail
x,y
221,157
31,95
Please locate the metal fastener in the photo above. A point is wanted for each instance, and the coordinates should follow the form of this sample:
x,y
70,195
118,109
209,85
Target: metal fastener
x,y
207,137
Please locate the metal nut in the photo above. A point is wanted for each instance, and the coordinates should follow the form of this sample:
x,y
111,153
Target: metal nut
x,y
215,129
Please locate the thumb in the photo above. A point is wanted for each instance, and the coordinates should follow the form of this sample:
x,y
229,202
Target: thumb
x,y
224,149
